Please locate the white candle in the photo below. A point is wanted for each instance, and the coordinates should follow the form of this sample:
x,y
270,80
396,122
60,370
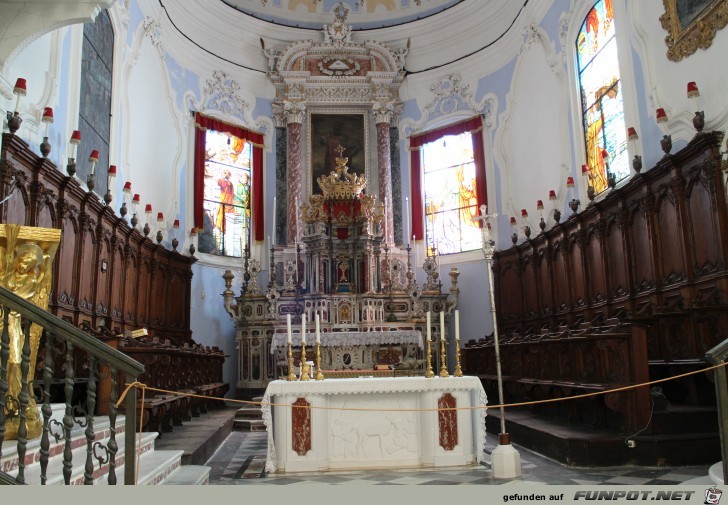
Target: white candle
x,y
428,325
318,330
442,325
414,252
303,329
457,325
288,321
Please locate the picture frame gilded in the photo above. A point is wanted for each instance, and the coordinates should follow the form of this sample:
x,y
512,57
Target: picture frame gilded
x,y
691,25
326,132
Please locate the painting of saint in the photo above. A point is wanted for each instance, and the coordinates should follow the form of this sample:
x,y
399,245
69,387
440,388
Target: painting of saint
x,y
328,131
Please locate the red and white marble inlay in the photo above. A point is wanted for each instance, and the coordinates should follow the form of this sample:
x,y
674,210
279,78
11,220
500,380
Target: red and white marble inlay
x,y
448,421
301,426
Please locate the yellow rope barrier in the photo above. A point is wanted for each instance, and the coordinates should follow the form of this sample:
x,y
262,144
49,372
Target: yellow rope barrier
x,y
521,404
144,387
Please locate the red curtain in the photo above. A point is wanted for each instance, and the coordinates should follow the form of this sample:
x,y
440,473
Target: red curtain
x,y
202,124
475,127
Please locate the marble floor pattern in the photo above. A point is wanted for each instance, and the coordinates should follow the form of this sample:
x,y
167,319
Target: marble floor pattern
x,y
241,461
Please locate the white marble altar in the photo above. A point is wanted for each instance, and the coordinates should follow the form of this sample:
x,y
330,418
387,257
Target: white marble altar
x,y
374,423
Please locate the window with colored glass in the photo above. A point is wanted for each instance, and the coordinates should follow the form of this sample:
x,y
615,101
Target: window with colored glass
x,y
601,97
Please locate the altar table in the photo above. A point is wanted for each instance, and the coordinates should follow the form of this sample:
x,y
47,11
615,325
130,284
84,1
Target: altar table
x,y
374,423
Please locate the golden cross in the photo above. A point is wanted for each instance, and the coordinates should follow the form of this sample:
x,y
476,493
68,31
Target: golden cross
x,y
340,150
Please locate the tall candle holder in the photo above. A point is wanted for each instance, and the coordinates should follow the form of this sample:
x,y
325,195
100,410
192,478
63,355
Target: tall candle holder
x,y
319,373
458,371
443,358
429,374
291,373
304,366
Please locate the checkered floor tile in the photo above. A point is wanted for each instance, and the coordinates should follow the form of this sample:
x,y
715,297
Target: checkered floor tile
x,y
241,461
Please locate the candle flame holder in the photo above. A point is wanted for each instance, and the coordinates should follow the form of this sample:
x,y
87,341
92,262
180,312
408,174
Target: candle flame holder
x,y
319,373
291,373
304,366
458,371
14,121
443,358
429,374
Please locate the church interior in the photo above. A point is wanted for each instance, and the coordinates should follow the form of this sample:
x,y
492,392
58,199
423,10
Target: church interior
x,y
348,227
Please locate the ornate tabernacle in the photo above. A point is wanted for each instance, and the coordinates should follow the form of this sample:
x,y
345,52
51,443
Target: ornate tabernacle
x,y
371,307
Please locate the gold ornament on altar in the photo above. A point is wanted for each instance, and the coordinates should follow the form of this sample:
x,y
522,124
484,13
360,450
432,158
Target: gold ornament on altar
x,y
340,184
26,269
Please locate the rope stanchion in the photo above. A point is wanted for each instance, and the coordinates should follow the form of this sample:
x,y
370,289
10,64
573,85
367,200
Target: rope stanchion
x,y
521,404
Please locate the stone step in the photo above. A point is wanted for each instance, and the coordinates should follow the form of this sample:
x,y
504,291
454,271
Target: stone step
x,y
9,459
156,466
189,475
54,472
248,413
249,425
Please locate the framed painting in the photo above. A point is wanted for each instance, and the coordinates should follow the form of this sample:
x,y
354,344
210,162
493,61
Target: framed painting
x,y
691,25
326,133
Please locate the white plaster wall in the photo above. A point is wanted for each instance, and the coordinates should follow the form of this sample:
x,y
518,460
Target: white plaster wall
x,y
154,136
532,144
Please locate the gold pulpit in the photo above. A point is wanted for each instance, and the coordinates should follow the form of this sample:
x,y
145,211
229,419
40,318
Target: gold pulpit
x,y
26,269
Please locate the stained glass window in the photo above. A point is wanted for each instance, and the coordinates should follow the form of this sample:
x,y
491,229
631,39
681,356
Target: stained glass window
x,y
227,195
601,96
450,195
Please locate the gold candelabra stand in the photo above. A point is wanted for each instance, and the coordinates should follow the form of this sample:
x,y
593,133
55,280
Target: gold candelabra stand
x,y
291,373
304,366
429,373
458,370
319,373
443,358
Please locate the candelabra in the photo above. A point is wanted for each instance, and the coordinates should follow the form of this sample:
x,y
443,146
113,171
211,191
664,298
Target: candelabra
x,y
458,371
443,356
429,373
319,373
304,366
291,373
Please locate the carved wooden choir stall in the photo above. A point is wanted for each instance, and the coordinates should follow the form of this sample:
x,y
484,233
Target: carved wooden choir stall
x,y
633,288
110,277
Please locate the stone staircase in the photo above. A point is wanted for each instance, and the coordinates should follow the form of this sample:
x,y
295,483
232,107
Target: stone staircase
x,y
155,467
250,417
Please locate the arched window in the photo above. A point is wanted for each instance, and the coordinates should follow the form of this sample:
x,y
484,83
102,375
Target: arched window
x,y
94,118
601,97
448,169
228,187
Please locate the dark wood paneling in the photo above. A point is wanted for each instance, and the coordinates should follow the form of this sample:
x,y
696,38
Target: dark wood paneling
x,y
144,284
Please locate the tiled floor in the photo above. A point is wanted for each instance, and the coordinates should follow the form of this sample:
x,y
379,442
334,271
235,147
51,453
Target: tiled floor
x,y
241,461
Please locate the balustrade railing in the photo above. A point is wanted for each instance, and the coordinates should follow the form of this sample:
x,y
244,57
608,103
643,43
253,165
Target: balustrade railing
x,y
62,340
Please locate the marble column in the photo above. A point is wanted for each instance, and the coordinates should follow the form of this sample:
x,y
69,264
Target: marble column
x,y
295,113
396,184
281,186
385,177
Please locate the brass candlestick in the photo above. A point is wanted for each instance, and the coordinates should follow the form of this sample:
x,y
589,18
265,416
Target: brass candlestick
x,y
319,373
443,359
458,370
304,366
291,373
429,373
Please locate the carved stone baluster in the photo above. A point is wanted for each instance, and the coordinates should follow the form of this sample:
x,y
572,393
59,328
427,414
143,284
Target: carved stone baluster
x,y
46,408
68,416
23,403
88,474
111,445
